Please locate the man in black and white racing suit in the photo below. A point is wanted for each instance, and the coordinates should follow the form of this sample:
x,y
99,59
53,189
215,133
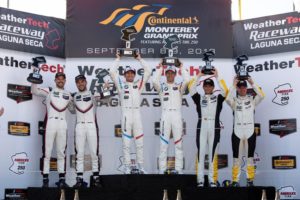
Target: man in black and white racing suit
x,y
209,107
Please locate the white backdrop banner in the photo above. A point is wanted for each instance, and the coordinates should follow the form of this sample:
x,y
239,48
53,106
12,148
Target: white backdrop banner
x,y
276,154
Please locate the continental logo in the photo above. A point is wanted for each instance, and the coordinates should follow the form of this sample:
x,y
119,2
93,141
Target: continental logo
x,y
136,16
153,20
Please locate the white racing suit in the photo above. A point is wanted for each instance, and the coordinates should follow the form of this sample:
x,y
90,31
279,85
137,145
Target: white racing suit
x,y
208,128
86,129
243,134
57,101
131,122
171,120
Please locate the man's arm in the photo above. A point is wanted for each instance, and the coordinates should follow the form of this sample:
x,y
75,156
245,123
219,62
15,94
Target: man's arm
x,y
156,78
230,99
42,92
147,72
221,83
71,105
192,85
113,72
260,95
186,79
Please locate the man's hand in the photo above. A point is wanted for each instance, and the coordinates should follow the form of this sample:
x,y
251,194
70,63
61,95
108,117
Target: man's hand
x,y
1,111
250,80
160,65
235,81
180,64
215,73
200,74
138,56
106,85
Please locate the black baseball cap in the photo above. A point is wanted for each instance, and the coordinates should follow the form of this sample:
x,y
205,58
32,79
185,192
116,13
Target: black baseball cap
x,y
242,83
58,74
80,76
208,82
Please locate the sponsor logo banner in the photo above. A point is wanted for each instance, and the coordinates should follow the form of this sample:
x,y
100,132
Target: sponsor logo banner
x,y
271,65
118,130
257,129
53,164
282,94
16,193
31,33
20,64
19,93
283,127
87,162
19,128
171,163
19,161
284,162
222,161
266,35
198,24
287,192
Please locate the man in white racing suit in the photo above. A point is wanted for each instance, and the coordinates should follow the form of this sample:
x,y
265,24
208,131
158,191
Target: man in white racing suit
x,y
171,94
86,130
209,107
243,136
57,101
131,124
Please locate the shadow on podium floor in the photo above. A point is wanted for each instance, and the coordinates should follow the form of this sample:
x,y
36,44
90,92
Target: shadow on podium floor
x,y
152,187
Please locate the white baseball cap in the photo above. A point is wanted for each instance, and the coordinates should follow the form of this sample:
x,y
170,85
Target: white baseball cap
x,y
171,68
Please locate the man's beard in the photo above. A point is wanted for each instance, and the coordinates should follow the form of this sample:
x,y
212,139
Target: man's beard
x,y
82,90
58,85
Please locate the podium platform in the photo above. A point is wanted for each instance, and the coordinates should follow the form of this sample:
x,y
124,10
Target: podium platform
x,y
151,187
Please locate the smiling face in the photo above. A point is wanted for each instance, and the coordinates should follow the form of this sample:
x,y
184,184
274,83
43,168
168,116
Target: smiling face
x,y
208,89
60,82
170,75
242,91
129,76
81,85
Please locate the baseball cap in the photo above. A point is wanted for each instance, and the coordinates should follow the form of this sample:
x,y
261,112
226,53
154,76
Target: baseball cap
x,y
58,74
78,77
242,83
208,82
171,68
128,68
